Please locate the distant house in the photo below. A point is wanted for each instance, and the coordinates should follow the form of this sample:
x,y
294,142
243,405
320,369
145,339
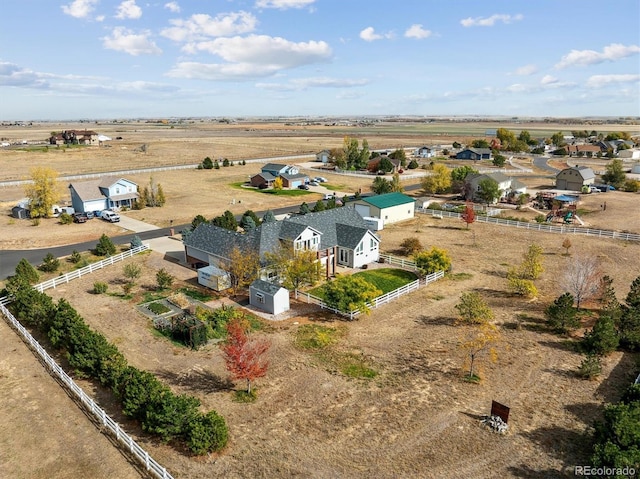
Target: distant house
x,y
508,186
390,207
373,165
582,150
474,154
104,193
323,156
630,154
575,178
339,236
290,175
75,137
269,297
425,152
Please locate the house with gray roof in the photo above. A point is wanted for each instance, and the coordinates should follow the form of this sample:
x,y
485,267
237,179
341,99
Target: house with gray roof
x,y
339,236
575,178
104,193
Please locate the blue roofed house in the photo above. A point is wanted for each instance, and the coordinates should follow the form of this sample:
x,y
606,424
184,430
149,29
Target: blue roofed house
x,y
339,237
104,193
291,176
474,154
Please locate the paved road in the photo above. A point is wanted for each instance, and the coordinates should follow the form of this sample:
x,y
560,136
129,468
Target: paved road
x,y
541,162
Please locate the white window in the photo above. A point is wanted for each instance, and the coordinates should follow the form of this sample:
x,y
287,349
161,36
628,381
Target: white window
x,y
260,298
117,190
373,244
359,249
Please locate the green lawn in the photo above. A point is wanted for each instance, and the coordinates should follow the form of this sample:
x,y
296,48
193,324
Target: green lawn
x,y
385,279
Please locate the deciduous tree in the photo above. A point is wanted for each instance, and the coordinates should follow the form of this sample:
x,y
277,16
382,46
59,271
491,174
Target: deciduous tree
x,y
43,191
614,174
295,268
245,358
436,259
582,277
478,341
396,186
472,309
439,181
381,186
488,190
348,293
278,184
242,267
468,215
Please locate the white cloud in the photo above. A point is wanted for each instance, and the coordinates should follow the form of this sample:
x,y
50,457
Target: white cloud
x,y
369,35
416,31
201,26
306,83
490,21
100,18
251,57
172,7
598,81
526,70
129,10
14,75
548,80
79,8
283,4
125,40
610,53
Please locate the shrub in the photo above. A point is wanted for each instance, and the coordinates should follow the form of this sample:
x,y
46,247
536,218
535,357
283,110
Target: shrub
x,y
561,315
520,286
105,246
164,279
206,432
590,367
207,164
410,246
65,219
99,287
473,309
50,263
632,186
75,257
436,259
136,242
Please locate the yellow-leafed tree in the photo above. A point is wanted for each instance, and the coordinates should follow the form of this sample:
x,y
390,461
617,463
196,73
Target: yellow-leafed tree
x,y
476,343
43,192
439,181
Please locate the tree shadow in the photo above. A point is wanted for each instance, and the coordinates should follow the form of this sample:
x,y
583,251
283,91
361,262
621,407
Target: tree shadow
x,y
477,417
563,345
436,320
493,293
529,473
564,373
197,381
620,377
569,446
493,272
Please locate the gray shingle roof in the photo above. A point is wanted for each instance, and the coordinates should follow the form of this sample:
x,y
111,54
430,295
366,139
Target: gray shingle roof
x,y
339,227
265,286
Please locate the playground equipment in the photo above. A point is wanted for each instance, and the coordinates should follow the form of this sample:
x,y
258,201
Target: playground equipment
x,y
565,215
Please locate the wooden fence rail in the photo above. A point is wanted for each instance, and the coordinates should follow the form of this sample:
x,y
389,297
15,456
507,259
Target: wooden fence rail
x,y
56,370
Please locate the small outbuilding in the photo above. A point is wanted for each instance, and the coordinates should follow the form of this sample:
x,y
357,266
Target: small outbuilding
x,y
269,297
214,278
575,178
390,207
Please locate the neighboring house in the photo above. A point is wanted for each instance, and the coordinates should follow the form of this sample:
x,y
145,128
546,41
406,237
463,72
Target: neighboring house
x,y
103,194
425,152
373,165
339,236
508,186
474,154
575,178
75,137
582,150
390,207
323,156
631,154
269,297
291,176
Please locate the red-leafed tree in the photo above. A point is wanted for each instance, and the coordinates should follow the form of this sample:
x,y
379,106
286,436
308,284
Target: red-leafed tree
x,y
244,357
468,215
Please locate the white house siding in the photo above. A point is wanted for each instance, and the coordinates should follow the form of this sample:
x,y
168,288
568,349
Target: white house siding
x,y
95,205
308,239
393,214
121,187
367,251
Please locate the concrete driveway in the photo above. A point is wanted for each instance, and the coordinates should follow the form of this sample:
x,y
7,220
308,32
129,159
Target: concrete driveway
x,y
135,225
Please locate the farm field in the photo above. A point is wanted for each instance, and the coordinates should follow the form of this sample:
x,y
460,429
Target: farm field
x,y
416,418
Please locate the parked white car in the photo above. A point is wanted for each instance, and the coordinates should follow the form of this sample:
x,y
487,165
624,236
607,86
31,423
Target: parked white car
x,y
110,216
320,179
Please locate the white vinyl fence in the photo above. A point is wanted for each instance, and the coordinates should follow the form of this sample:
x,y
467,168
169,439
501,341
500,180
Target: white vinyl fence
x,y
539,226
56,370
377,302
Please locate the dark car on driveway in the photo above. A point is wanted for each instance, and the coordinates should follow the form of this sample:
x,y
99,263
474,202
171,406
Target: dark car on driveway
x,y
80,217
303,187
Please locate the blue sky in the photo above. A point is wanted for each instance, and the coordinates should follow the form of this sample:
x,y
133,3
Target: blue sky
x,y
105,59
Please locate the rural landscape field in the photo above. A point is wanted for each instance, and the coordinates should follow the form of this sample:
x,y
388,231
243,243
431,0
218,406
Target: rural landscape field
x,y
412,415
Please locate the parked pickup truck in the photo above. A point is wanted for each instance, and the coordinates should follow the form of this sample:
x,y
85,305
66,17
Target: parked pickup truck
x,y
110,216
80,217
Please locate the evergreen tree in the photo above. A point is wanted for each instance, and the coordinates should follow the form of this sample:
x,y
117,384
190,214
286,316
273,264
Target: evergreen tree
x,y
304,209
26,271
561,315
319,206
603,337
105,246
268,217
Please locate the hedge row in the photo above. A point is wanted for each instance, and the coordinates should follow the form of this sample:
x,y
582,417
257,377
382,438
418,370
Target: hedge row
x,y
143,397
